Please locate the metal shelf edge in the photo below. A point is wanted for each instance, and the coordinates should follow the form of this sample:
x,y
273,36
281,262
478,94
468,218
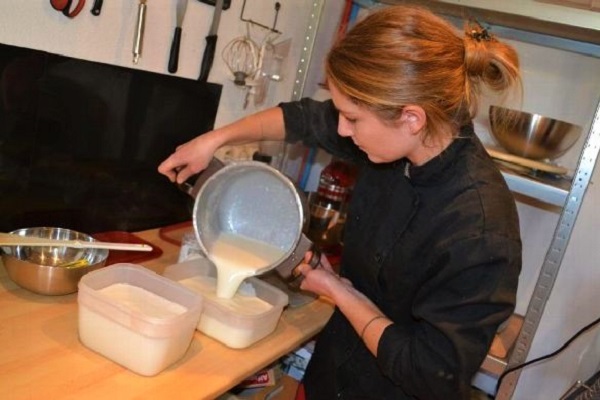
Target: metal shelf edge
x,y
493,365
545,192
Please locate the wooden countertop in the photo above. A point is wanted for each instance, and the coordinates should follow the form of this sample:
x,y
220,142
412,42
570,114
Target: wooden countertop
x,y
41,356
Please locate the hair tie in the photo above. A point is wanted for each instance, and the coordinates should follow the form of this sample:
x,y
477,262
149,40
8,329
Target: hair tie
x,y
477,32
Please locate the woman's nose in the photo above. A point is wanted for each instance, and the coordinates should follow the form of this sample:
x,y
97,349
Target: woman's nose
x,y
344,128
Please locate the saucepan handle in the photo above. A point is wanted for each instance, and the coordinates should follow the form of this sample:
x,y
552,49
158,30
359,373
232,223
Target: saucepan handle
x,y
296,279
193,184
287,269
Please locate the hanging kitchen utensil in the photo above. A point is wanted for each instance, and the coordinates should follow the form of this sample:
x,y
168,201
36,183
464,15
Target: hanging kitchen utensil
x,y
226,3
180,9
241,56
9,240
139,31
280,53
96,7
211,43
250,21
272,57
255,83
64,6
260,83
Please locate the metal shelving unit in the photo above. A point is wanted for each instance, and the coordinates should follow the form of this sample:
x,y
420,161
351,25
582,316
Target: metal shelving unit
x,y
554,256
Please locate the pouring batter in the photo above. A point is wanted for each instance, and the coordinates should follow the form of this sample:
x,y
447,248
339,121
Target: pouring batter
x,y
237,257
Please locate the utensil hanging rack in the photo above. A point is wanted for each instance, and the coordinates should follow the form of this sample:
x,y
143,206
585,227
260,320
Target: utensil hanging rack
x,y
250,21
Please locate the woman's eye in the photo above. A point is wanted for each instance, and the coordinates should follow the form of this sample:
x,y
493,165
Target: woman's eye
x,y
350,120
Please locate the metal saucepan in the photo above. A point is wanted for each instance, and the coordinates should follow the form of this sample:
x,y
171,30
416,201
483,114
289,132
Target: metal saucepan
x,y
255,200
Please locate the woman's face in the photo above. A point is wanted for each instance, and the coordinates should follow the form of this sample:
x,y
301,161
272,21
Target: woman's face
x,y
382,141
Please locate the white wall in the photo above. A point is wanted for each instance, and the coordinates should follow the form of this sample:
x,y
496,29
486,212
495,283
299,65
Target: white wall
x,y
108,38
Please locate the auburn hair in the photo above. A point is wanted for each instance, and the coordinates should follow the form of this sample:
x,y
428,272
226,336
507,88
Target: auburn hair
x,y
400,55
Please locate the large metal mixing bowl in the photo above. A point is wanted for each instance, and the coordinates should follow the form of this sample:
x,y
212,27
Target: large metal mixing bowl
x,y
51,270
532,136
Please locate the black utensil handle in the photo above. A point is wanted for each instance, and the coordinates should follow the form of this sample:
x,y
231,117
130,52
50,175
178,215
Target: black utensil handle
x,y
97,7
174,53
226,3
208,57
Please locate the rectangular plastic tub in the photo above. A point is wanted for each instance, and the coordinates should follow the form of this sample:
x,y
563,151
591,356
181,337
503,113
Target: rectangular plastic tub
x,y
136,318
223,319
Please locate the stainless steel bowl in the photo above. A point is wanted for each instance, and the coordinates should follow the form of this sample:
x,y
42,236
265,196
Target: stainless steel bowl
x,y
51,270
532,136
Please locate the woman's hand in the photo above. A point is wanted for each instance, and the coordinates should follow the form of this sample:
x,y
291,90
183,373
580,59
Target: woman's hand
x,y
189,158
321,280
366,318
195,155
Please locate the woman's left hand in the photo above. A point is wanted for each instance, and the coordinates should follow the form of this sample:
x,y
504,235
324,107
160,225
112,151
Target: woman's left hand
x,y
322,280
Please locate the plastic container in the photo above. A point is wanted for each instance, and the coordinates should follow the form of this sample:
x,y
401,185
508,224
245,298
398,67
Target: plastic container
x,y
223,319
190,248
136,317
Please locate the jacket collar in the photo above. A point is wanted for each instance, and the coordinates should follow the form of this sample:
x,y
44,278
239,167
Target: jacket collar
x,y
439,167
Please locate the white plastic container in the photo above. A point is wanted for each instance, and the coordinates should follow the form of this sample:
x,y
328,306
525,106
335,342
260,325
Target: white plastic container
x,y
136,317
231,321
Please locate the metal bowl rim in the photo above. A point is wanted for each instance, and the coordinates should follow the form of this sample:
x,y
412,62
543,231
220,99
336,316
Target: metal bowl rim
x,y
527,114
101,253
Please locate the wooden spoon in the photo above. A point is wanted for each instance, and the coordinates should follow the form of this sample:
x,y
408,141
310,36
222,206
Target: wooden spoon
x,y
7,239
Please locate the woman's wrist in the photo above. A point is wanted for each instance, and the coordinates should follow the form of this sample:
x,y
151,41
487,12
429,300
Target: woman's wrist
x,y
368,324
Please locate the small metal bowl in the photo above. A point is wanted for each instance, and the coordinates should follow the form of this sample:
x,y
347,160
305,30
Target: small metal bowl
x,y
532,136
51,270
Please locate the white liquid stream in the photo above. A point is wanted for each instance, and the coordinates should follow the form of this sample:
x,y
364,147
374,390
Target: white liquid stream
x,y
238,257
239,304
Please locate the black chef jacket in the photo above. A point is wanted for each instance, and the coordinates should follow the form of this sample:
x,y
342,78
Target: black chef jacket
x,y
436,247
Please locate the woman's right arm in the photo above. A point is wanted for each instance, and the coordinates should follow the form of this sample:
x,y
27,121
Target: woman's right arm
x,y
194,156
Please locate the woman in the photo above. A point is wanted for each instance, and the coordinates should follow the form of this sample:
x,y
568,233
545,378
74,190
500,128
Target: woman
x,y
432,250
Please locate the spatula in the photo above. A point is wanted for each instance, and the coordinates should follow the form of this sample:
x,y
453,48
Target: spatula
x,y
7,239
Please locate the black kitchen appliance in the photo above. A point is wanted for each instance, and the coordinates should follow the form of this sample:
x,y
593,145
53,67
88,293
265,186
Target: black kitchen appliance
x,y
80,142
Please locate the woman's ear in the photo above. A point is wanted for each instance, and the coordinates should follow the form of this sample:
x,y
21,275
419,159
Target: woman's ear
x,y
414,118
